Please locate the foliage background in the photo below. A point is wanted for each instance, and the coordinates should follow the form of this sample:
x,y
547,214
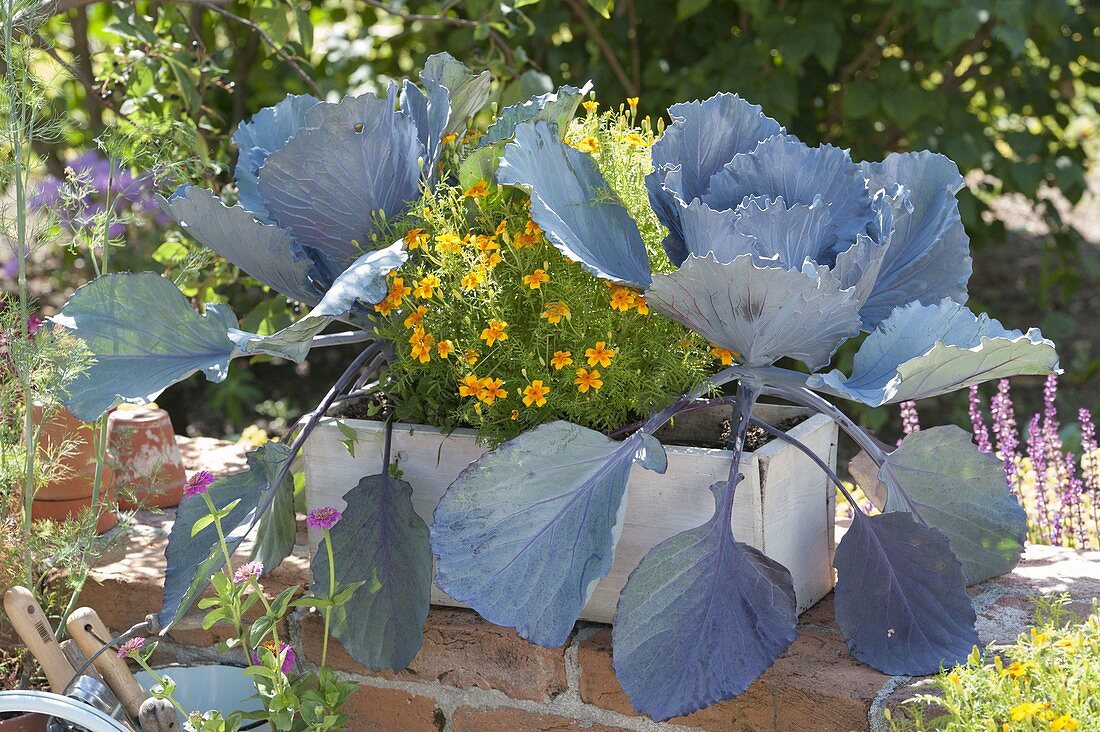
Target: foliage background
x,y
1007,88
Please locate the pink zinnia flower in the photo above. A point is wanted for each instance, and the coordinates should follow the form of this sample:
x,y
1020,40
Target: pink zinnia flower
x,y
246,572
289,656
131,647
198,483
323,518
34,322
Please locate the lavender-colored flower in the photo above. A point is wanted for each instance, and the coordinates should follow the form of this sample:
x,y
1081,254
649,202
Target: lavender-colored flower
x,y
977,421
130,647
247,572
284,649
1004,429
198,483
910,419
11,268
323,518
1037,452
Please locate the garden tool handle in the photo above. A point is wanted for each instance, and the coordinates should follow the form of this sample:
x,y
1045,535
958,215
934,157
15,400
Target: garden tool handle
x,y
34,629
158,715
90,634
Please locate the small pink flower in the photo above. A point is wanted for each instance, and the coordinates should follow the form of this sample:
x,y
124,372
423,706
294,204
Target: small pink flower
x,y
34,322
289,657
198,483
323,518
131,647
247,572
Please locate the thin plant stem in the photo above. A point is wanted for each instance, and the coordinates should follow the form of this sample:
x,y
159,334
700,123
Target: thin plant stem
x,y
331,594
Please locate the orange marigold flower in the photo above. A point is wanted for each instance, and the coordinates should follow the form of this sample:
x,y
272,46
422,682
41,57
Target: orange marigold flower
x,y
426,287
555,311
641,305
588,380
532,229
523,240
492,260
561,359
445,348
421,345
536,279
502,227
486,243
587,145
415,238
470,386
495,332
492,390
471,355
416,316
535,393
472,279
385,307
399,291
722,354
601,355
449,138
477,190
622,299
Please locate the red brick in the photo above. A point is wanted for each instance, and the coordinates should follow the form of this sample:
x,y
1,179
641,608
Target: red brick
x,y
510,719
815,685
462,650
371,709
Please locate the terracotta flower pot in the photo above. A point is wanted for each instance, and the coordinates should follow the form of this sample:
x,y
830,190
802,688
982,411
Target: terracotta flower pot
x,y
150,468
71,493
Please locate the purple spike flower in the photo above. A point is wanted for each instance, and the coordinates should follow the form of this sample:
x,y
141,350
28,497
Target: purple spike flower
x,y
1004,429
1037,452
977,421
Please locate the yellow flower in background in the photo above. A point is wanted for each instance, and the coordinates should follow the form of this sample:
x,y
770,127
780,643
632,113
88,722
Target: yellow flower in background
x,y
495,332
601,354
622,298
561,359
1064,723
472,279
421,345
635,140
445,348
477,190
471,355
555,311
536,279
1038,638
722,354
492,390
253,435
416,316
426,287
590,106
641,305
486,243
492,260
588,380
449,243
532,229
632,102
470,386
1025,711
954,679
449,138
1017,669
587,145
535,394
399,291
415,238
1069,643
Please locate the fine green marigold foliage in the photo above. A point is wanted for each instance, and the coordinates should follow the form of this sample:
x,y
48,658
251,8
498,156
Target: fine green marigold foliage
x,y
1047,680
495,329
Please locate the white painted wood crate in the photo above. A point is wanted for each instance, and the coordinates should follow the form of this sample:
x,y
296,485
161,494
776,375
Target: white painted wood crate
x,y
784,507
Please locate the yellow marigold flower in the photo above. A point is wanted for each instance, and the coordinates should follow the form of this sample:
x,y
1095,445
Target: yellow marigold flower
x,y
1038,638
492,390
622,298
399,291
471,355
445,348
415,238
588,145
422,345
385,307
449,138
588,380
523,240
515,414
535,394
470,386
416,316
561,359
954,679
601,355
449,243
471,135
536,279
477,190
426,287
495,332
502,227
1025,711
1017,669
722,354
632,102
641,305
635,140
486,243
472,279
492,260
590,106
1063,723
555,311
1069,643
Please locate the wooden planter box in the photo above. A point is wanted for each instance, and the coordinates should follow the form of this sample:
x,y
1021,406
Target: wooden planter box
x,y
784,507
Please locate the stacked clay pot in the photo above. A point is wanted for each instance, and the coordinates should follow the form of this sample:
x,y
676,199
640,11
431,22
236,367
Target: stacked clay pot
x,y
150,469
